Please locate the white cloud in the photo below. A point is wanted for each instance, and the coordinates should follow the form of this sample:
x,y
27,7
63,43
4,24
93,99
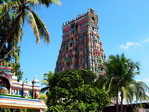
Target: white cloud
x,y
145,41
134,44
129,44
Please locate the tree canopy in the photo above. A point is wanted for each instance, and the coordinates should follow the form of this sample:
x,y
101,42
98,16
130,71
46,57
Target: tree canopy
x,y
20,11
69,91
119,80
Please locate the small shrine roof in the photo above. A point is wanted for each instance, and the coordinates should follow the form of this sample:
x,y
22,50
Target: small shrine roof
x,y
21,103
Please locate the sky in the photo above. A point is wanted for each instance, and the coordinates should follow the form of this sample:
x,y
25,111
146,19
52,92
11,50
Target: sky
x,y
123,27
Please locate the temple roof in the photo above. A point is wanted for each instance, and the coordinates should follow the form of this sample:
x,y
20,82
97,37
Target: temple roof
x,y
21,103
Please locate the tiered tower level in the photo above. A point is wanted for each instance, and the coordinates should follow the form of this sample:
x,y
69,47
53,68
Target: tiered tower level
x,y
81,47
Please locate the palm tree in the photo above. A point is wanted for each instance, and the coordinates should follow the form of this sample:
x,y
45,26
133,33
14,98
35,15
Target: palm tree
x,y
10,54
20,11
12,44
47,81
119,79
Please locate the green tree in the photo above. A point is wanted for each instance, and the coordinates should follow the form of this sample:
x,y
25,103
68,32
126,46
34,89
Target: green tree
x,y
10,53
94,97
88,76
12,60
63,85
20,11
47,81
12,44
69,93
56,108
85,98
119,79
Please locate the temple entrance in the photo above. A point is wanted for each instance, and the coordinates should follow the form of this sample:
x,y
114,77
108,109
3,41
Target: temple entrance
x,y
4,83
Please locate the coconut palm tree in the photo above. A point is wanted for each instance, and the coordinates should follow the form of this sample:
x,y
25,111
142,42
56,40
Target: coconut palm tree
x,y
47,81
119,80
12,43
23,10
10,54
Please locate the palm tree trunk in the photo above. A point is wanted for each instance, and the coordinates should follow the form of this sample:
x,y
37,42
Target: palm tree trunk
x,y
10,32
9,52
122,97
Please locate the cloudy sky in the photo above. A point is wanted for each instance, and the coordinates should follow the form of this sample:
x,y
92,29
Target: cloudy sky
x,y
123,27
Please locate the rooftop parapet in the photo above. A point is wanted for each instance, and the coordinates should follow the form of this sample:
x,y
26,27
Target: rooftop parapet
x,y
91,10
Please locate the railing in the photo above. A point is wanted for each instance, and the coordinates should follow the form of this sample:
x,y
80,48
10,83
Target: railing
x,y
10,95
17,96
5,63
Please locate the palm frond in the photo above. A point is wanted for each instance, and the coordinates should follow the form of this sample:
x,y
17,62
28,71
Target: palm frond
x,y
120,73
45,82
33,24
129,93
5,7
45,89
140,91
33,2
18,33
39,27
49,2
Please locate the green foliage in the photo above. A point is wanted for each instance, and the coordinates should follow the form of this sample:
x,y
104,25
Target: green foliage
x,y
6,110
16,68
87,76
47,81
56,108
70,80
43,97
76,106
22,110
119,79
11,50
89,94
70,92
17,71
18,11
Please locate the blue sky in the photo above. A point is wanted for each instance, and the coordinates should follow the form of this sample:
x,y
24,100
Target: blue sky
x,y
123,27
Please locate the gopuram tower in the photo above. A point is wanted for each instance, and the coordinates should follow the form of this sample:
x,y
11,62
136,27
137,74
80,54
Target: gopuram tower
x,y
81,46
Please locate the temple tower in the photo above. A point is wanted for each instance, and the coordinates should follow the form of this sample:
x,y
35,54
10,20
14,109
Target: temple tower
x,y
81,47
